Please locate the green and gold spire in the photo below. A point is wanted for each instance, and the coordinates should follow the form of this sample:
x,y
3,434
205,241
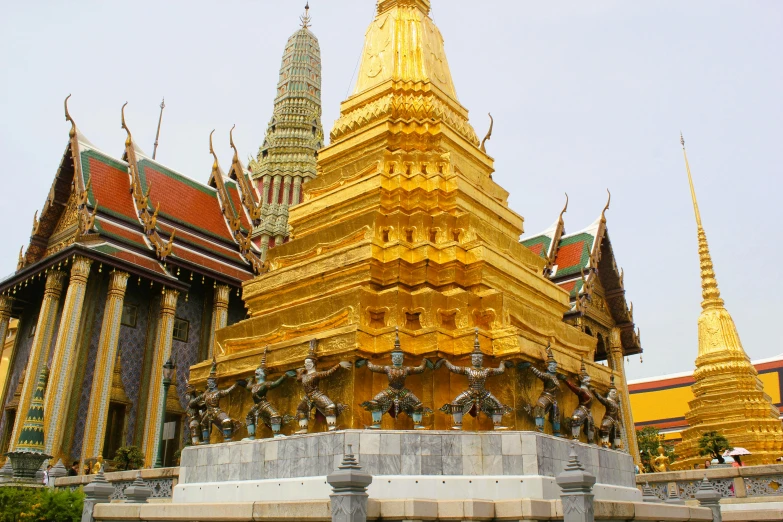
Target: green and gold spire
x,y
729,397
31,438
294,135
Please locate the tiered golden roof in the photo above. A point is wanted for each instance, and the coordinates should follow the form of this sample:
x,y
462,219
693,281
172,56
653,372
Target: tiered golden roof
x,y
405,227
729,397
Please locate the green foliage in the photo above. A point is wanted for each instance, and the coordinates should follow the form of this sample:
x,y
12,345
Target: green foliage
x,y
40,505
649,439
714,444
128,458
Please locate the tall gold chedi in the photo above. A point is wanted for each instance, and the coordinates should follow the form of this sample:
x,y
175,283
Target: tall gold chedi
x,y
404,226
729,397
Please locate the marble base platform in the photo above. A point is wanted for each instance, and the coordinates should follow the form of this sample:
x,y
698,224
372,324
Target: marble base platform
x,y
444,465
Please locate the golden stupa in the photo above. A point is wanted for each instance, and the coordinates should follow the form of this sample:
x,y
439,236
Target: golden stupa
x,y
729,397
404,227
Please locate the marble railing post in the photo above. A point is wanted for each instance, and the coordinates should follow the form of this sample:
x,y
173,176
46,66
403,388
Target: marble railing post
x,y
709,497
349,490
61,376
99,491
577,491
98,410
617,361
39,351
5,318
155,407
219,314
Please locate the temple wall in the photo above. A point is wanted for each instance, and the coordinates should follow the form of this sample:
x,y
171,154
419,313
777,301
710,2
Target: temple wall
x,y
136,345
24,342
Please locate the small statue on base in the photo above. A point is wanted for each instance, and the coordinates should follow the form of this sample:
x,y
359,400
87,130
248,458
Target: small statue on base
x,y
582,415
660,464
194,413
396,398
547,401
611,427
262,409
476,398
310,378
213,414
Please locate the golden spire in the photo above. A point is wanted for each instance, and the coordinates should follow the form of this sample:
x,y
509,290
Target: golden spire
x,y
709,285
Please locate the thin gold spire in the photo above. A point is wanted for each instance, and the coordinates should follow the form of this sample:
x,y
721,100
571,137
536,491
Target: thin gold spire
x,y
305,18
709,284
157,136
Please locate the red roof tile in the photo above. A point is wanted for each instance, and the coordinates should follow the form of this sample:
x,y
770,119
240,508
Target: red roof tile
x,y
109,184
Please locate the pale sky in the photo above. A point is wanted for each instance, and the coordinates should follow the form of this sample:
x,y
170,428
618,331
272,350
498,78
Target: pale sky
x,y
585,95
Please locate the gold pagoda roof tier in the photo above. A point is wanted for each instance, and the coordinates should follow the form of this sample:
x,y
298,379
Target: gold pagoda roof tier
x,y
404,227
729,396
404,93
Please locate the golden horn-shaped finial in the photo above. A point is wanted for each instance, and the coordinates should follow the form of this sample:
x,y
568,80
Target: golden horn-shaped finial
x,y
709,284
489,134
565,208
129,139
72,132
603,214
231,141
212,151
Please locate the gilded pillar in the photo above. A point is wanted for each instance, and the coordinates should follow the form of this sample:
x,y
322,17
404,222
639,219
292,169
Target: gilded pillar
x,y
276,190
297,190
95,427
62,371
617,361
155,406
286,191
5,318
39,351
219,315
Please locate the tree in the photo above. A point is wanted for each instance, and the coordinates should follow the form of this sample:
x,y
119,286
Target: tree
x,y
714,444
128,458
648,440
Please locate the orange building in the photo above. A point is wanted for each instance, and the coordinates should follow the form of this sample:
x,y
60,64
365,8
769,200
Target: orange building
x,y
663,401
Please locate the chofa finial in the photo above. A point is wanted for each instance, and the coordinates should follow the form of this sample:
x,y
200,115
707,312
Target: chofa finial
x,y
565,208
489,134
72,133
129,140
305,18
212,151
603,214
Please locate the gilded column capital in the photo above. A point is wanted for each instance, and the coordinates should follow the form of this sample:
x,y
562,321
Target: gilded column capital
x,y
118,283
222,293
615,340
168,303
6,304
80,269
54,283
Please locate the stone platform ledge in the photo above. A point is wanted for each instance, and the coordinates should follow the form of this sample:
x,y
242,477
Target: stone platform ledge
x,y
120,476
712,474
470,510
755,515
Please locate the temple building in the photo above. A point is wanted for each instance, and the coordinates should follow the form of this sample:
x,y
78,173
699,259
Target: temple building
x,y
294,136
583,264
404,228
729,396
662,401
131,263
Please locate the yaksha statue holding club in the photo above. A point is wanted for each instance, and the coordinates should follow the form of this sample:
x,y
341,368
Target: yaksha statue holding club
x,y
547,401
582,415
194,413
611,427
396,398
213,414
476,398
262,410
310,378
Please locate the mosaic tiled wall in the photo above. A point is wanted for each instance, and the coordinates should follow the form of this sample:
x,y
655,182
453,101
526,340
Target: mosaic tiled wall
x,y
186,353
24,342
133,341
95,311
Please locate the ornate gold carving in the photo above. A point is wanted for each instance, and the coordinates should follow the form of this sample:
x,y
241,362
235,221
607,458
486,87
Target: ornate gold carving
x,y
321,249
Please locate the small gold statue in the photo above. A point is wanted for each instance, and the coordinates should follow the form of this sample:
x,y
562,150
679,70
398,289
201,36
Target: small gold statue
x,y
214,415
476,398
396,398
262,409
98,466
310,378
660,463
